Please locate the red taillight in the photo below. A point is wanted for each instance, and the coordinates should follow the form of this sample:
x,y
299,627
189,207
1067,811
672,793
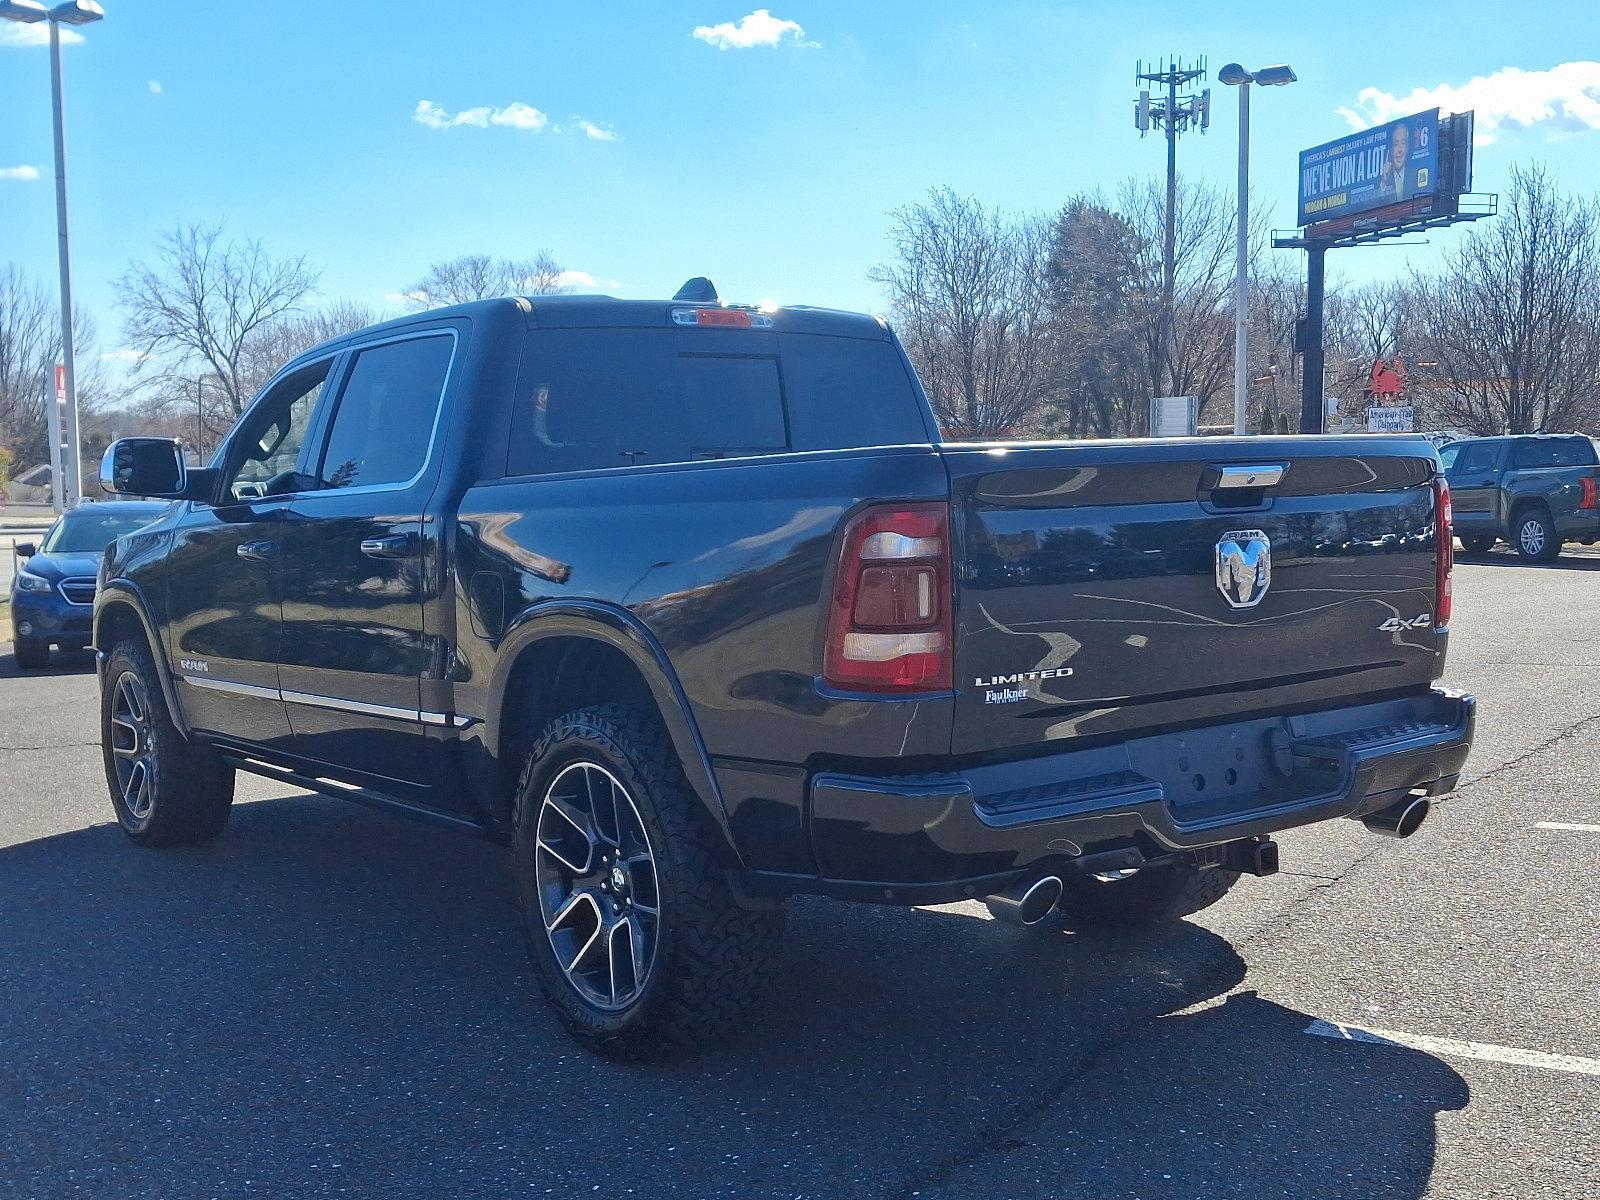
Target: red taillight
x,y
720,318
1444,554
1589,488
889,626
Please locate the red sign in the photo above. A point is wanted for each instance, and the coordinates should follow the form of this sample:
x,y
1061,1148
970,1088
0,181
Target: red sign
x,y
61,384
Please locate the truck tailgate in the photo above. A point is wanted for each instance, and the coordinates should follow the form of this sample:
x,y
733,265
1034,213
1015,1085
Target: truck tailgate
x,y
1116,588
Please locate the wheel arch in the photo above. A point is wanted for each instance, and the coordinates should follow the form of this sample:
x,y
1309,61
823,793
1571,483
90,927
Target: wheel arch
x,y
121,611
559,656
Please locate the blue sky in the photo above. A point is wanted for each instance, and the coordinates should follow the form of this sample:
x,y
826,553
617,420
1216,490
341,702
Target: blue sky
x,y
770,167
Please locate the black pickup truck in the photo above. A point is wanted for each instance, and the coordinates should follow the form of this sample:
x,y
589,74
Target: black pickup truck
x,y
689,604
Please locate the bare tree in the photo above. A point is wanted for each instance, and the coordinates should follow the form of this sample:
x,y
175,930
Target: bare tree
x,y
1513,318
30,341
480,277
196,309
969,293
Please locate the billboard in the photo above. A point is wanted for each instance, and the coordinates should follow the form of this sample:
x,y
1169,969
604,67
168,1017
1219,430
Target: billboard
x,y
1387,164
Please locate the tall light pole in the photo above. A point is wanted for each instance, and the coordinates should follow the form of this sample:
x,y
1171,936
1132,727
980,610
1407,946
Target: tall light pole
x,y
71,12
1236,76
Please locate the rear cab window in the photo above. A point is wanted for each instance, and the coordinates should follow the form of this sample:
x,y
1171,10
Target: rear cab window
x,y
1534,453
590,399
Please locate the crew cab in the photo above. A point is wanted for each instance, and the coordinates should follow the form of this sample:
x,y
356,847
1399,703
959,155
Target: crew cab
x,y
1535,491
690,604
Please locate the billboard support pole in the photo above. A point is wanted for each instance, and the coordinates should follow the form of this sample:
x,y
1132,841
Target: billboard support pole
x,y
1311,362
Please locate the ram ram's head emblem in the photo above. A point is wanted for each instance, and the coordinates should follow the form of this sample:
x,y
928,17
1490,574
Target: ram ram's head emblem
x,y
1244,567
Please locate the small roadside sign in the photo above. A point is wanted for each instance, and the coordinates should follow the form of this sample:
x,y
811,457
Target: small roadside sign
x,y
1391,419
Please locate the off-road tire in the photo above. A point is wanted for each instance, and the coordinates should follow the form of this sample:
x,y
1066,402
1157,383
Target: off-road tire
x,y
1540,549
191,789
31,654
1477,544
714,953
1151,896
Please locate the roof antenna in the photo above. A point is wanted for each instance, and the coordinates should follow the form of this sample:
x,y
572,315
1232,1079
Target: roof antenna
x,y
698,290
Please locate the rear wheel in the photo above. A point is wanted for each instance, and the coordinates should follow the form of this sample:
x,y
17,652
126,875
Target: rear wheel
x,y
633,929
165,790
1149,896
1536,536
1477,544
31,654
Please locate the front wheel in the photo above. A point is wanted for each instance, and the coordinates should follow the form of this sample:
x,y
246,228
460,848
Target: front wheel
x,y
165,790
634,931
1536,536
1148,896
1477,544
31,654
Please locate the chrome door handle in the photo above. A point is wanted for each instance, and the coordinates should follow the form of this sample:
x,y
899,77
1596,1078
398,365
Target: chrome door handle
x,y
257,551
396,545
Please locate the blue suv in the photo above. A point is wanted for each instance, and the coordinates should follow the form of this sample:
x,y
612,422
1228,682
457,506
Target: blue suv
x,y
52,594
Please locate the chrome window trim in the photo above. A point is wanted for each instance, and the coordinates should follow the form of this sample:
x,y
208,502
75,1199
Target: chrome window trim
x,y
355,351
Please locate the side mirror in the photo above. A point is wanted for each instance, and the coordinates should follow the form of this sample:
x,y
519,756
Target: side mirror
x,y
147,466
25,549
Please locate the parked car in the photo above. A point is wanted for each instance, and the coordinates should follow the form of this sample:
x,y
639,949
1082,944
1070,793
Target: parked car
x,y
52,589
1535,491
689,604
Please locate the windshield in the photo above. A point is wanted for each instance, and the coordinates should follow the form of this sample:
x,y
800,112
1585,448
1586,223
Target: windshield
x,y
89,531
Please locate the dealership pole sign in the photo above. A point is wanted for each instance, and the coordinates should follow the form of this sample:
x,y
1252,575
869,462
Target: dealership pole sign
x,y
1376,168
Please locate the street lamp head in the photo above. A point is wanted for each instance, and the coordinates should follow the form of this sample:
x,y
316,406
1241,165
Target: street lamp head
x,y
1233,75
77,12
27,11
1276,76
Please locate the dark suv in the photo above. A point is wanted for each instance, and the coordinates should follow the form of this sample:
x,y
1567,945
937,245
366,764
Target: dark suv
x,y
689,604
1534,491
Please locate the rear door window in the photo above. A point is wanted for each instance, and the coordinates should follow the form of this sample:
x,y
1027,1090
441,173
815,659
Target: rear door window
x,y
1553,452
596,398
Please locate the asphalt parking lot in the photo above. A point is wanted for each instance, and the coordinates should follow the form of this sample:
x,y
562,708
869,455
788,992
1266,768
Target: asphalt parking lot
x,y
333,1002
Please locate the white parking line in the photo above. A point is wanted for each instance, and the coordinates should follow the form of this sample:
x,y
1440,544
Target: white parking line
x,y
1453,1048
1565,825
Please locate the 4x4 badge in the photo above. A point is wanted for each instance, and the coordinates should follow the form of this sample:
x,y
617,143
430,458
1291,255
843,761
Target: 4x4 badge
x,y
1244,567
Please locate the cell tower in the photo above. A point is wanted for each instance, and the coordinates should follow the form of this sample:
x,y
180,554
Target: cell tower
x,y
1176,108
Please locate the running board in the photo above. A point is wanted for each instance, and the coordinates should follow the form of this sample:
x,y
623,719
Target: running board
x,y
339,790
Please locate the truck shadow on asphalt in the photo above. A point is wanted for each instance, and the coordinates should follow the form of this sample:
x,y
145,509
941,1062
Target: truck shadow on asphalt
x,y
62,662
330,999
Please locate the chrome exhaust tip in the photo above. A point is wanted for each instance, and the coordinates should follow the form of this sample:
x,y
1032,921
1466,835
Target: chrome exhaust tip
x,y
1399,820
1026,903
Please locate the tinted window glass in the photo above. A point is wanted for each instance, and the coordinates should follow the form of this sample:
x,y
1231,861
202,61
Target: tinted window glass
x,y
847,392
385,417
1476,457
603,398
1556,452
606,398
1448,455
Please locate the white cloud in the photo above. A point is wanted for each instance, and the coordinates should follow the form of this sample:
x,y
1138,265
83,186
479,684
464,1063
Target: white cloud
x,y
23,174
155,87
582,281
14,33
1566,98
594,132
759,28
124,356
515,115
